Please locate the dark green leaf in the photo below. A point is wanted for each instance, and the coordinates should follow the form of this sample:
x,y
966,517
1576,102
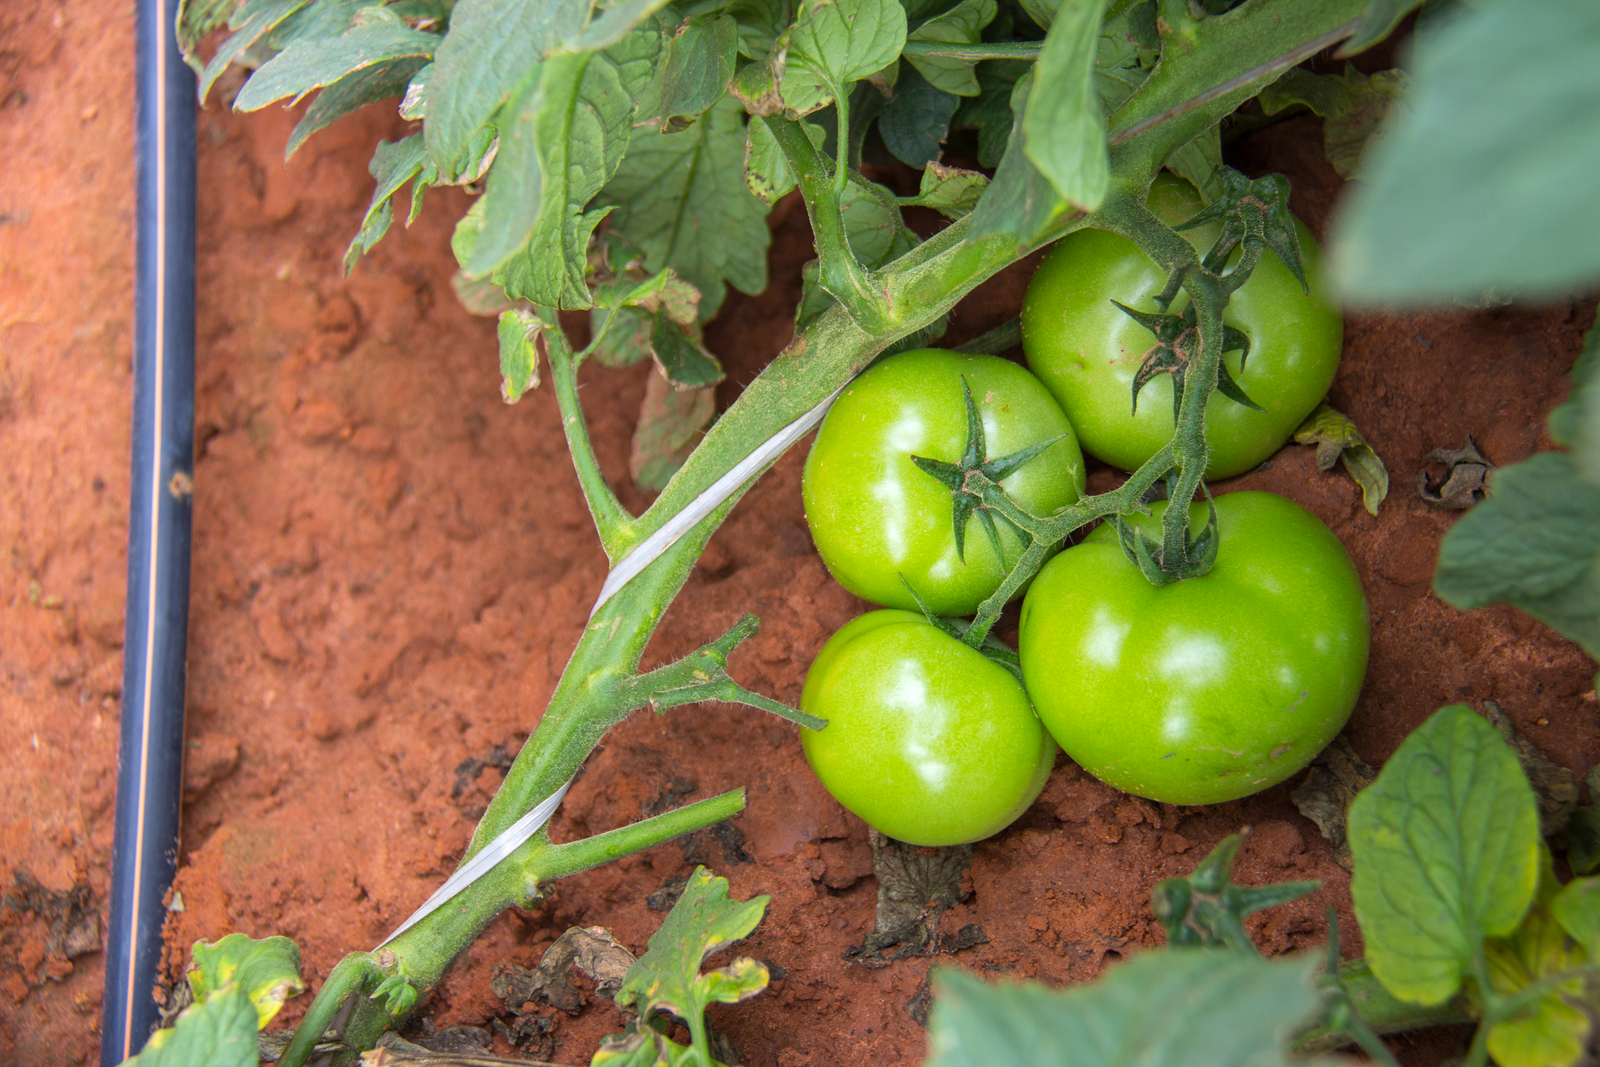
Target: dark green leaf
x,y
1534,544
220,1032
949,190
670,421
704,921
1352,106
914,123
962,24
1065,133
1576,423
698,67
196,20
872,223
1167,1007
1446,845
314,62
1577,908
1020,201
990,111
682,199
1377,22
354,90
491,47
616,22
250,22
266,971
761,23
392,165
628,339
1125,53
766,169
1485,184
682,360
836,42
1198,161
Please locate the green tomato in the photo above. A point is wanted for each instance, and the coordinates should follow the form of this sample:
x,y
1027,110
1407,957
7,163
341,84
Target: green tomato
x,y
1087,351
927,740
876,517
1208,689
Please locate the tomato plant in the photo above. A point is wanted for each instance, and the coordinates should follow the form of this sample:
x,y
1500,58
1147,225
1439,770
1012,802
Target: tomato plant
x,y
1089,352
881,524
1207,689
928,740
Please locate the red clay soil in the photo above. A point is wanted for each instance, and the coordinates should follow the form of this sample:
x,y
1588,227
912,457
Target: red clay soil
x,y
391,567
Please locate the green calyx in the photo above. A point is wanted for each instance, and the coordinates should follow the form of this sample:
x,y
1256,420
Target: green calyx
x,y
1206,910
1177,347
1194,556
1254,214
965,477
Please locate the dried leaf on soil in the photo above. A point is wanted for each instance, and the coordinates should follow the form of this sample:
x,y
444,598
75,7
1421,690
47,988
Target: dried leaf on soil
x,y
1332,782
1339,439
1464,484
1555,787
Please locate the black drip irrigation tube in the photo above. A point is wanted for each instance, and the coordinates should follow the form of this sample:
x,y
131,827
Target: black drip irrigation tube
x,y
160,509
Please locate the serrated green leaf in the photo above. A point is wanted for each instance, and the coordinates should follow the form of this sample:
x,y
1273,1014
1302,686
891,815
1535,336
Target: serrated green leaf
x,y
766,168
266,971
914,123
1534,544
491,47
682,199
697,69
667,977
951,191
392,165
1577,908
683,361
196,19
354,90
219,1032
1551,1033
414,103
1338,438
761,23
615,23
1065,132
1125,52
519,334
1485,184
1164,1008
836,42
1042,12
872,223
628,339
1020,201
1199,163
645,1047
313,63
962,24
1575,424
1446,847
1351,104
670,421
990,111
1377,22
251,22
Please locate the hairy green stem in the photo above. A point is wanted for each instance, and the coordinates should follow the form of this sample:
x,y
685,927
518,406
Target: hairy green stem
x,y
349,975
1379,1010
973,53
610,517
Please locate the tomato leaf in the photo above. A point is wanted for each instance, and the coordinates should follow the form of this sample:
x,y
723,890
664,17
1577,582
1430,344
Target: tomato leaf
x,y
1352,105
766,168
682,360
1377,22
667,978
682,199
1020,201
836,42
219,1032
1577,908
393,165
250,23
949,190
196,19
267,971
490,49
1534,544
519,333
1066,134
698,66
1484,186
990,111
962,24
1576,423
1339,439
914,123
670,421
311,63
1446,846
354,90
1188,1007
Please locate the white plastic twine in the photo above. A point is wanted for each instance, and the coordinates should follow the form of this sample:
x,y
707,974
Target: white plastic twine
x,y
510,839
644,553
649,550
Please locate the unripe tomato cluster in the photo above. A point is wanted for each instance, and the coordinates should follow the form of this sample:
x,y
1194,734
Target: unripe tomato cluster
x,y
1193,693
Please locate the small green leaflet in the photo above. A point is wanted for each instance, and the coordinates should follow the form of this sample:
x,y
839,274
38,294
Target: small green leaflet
x,y
196,20
1552,1031
951,191
354,90
1020,201
1065,133
1577,909
1377,22
682,360
392,165
1485,183
250,22
520,333
311,63
1198,162
1338,438
990,111
682,199
766,168
836,42
667,978
1534,544
914,123
1186,1007
761,23
1575,424
1351,104
220,1032
698,67
268,971
962,24
491,47
670,421
1446,846
872,223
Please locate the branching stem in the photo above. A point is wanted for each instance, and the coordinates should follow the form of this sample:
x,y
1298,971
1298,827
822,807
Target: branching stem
x,y
611,519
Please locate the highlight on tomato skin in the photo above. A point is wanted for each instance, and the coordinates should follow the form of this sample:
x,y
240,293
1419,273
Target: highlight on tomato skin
x,y
1212,688
928,741
1087,351
881,523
